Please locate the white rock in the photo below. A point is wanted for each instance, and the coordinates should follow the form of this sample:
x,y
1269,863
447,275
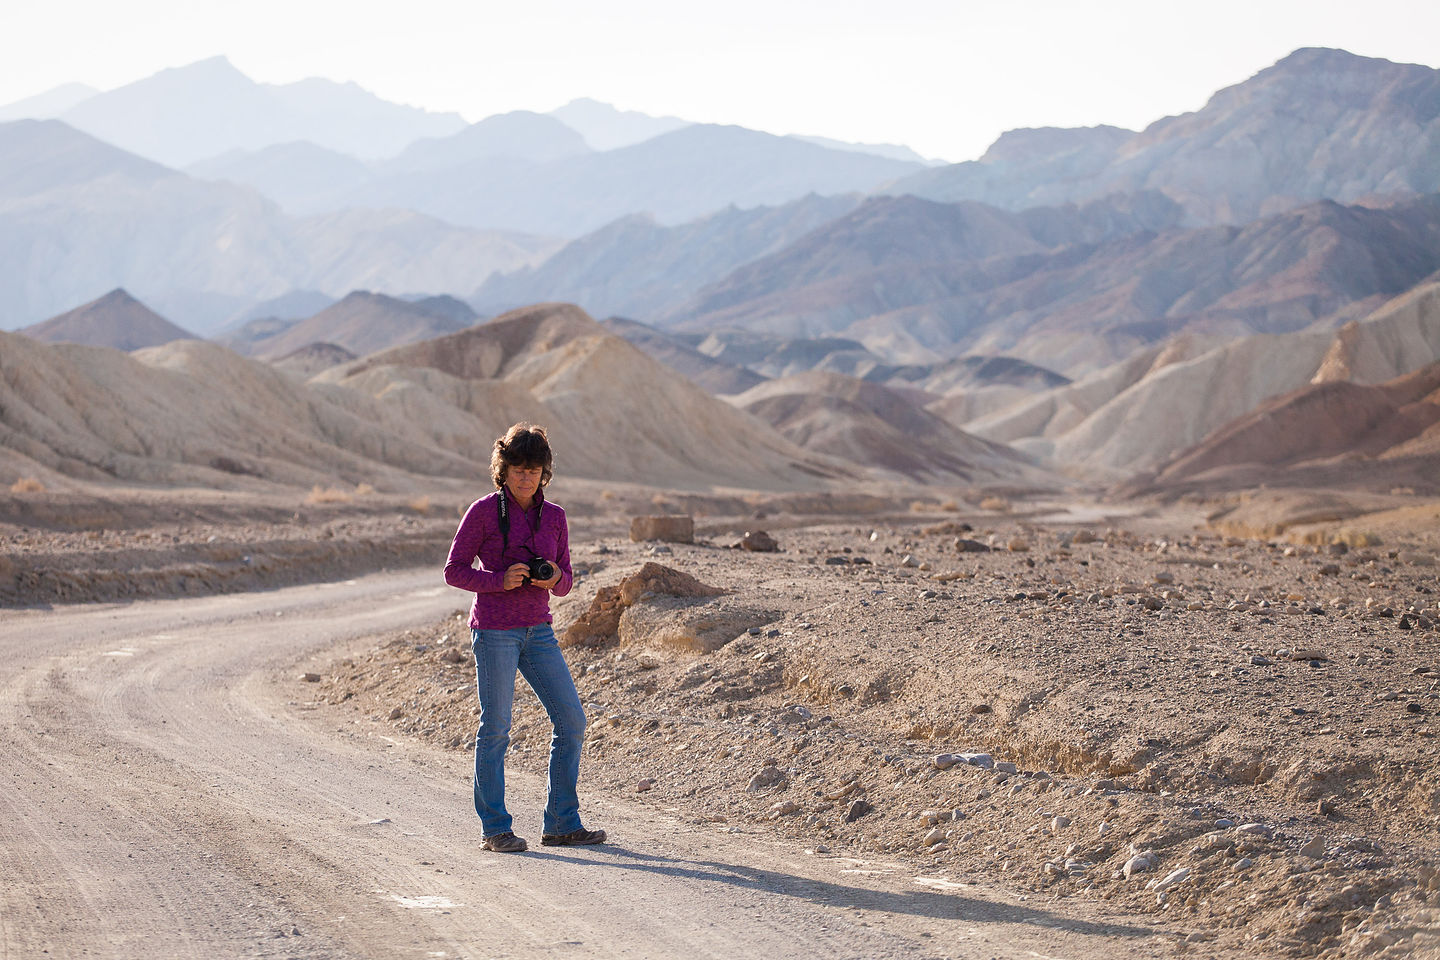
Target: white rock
x,y
1140,863
1170,879
1005,766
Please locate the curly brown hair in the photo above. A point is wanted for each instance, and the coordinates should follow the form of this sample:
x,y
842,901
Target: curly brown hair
x,y
524,445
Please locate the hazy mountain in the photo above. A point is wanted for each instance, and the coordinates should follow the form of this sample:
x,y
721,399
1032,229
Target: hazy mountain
x,y
291,305
79,217
115,320
1318,124
676,177
902,272
185,114
606,128
300,176
636,267
51,103
364,322
711,375
520,134
893,151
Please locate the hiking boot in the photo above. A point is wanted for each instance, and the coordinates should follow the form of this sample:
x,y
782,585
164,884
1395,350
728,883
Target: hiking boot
x,y
575,838
506,843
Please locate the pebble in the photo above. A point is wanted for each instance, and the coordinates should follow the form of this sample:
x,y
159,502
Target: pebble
x,y
936,836
1261,661
1005,766
784,808
1244,863
1104,828
1059,823
1224,823
1257,829
396,713
644,785
310,677
981,760
1017,545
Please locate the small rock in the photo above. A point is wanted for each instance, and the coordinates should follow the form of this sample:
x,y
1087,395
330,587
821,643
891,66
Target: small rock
x,y
1140,863
767,777
981,760
909,561
1244,863
971,546
758,541
933,837
945,761
644,785
1165,577
1005,766
1261,661
1256,829
1059,823
857,809
1224,823
396,713
784,808
310,677
1017,545
1104,828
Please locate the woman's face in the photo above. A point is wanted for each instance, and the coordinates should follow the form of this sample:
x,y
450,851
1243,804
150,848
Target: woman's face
x,y
523,481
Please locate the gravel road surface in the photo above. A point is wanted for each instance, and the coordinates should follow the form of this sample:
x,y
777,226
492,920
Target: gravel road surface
x,y
163,794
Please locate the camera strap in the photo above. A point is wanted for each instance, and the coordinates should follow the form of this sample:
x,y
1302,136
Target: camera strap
x,y
503,506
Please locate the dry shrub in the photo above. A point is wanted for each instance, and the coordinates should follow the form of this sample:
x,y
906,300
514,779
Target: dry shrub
x,y
607,494
997,504
319,494
27,485
1402,492
363,490
1357,538
420,505
950,506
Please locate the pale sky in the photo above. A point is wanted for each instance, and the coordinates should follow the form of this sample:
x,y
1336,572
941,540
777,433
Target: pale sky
x,y
945,78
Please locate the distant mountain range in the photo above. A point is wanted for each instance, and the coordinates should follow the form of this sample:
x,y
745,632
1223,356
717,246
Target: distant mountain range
x,y
79,217
186,114
1319,124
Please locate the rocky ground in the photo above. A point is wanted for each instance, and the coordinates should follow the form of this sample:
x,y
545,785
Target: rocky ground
x,y
1238,733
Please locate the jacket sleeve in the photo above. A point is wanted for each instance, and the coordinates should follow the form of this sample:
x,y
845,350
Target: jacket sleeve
x,y
473,530
562,560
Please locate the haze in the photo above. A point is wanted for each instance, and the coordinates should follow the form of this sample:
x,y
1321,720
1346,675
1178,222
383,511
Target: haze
x,y
945,78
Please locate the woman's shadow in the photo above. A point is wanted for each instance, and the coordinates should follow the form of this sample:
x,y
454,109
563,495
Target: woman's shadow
x,y
921,903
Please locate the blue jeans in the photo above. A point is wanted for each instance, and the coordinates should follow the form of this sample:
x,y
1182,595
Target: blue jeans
x,y
537,655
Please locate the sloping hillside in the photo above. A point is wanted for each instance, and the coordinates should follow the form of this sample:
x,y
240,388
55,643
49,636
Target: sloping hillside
x,y
862,422
1139,413
614,412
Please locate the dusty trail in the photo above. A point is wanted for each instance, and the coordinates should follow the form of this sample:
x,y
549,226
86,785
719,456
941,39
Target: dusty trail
x,y
161,797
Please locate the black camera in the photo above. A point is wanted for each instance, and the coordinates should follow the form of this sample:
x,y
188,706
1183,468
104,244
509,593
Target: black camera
x,y
540,569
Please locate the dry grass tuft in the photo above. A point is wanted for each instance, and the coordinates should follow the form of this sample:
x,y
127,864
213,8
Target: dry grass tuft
x,y
363,490
997,504
420,505
27,485
319,494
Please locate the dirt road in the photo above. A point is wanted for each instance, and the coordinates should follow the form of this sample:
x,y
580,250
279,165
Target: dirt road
x,y
164,792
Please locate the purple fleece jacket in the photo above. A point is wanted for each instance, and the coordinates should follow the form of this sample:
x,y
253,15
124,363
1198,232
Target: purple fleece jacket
x,y
479,536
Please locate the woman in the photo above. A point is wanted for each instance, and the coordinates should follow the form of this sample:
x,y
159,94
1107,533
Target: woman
x,y
510,624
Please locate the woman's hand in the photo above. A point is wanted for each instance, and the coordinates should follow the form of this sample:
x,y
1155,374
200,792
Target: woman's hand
x,y
515,575
547,584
